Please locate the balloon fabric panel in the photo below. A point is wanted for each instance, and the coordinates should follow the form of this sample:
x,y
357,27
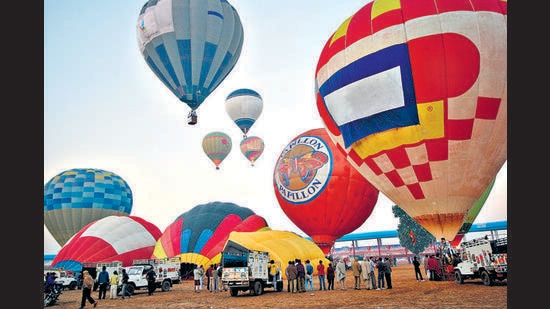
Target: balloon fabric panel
x,y
216,146
191,46
204,230
113,238
76,197
455,85
312,176
244,106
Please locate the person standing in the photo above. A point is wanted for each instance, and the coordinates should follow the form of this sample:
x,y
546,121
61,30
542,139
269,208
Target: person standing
x,y
113,281
309,276
87,286
272,272
372,277
426,268
151,281
124,281
291,275
197,278
201,278
341,274
387,272
301,278
380,267
321,276
433,266
356,270
103,281
330,276
208,276
365,272
215,279
417,271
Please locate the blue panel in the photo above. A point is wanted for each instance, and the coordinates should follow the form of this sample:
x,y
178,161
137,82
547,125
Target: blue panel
x,y
184,240
203,239
243,92
375,63
163,56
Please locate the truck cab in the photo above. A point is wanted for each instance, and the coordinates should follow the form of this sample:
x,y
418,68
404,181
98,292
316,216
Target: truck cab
x,y
247,270
482,259
168,273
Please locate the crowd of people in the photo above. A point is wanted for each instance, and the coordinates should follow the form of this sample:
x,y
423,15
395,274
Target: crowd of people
x,y
300,276
370,273
213,276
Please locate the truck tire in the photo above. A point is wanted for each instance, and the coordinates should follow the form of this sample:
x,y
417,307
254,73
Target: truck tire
x,y
165,287
487,280
233,291
258,288
458,277
72,285
130,288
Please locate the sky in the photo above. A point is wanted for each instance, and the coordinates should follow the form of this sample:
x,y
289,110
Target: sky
x,y
104,108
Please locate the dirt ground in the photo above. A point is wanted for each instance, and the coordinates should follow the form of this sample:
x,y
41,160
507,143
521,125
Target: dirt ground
x,y
406,293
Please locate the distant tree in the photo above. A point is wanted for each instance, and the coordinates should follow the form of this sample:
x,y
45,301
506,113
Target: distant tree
x,y
411,235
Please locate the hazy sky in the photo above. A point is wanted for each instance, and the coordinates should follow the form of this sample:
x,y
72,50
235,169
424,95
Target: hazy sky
x,y
104,108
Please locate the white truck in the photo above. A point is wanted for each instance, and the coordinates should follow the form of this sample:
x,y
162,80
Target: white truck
x,y
168,273
482,259
247,270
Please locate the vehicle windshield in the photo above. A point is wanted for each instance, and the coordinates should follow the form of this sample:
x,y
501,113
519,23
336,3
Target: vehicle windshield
x,y
134,271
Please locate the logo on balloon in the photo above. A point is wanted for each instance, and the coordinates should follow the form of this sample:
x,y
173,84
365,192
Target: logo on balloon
x,y
298,175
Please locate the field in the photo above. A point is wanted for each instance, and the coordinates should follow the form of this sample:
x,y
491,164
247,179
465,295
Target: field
x,y
406,293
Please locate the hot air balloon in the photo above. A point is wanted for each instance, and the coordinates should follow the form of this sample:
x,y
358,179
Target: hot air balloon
x,y
318,189
414,92
76,197
252,148
113,238
471,216
198,235
244,106
283,246
190,45
216,145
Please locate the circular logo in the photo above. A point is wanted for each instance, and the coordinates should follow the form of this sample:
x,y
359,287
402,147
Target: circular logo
x,y
303,169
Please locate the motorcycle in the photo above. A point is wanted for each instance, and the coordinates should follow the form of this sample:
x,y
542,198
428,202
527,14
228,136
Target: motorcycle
x,y
51,294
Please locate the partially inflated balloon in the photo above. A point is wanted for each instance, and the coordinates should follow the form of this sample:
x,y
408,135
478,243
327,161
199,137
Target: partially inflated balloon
x,y
414,92
252,148
76,197
190,45
318,189
198,235
244,106
113,238
216,146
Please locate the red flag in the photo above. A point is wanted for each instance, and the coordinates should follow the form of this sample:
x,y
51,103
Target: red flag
x,y
412,236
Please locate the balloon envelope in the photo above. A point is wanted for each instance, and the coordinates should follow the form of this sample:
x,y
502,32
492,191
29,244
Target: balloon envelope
x,y
318,189
414,92
283,246
216,146
190,45
252,148
198,235
244,106
113,238
471,216
76,197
